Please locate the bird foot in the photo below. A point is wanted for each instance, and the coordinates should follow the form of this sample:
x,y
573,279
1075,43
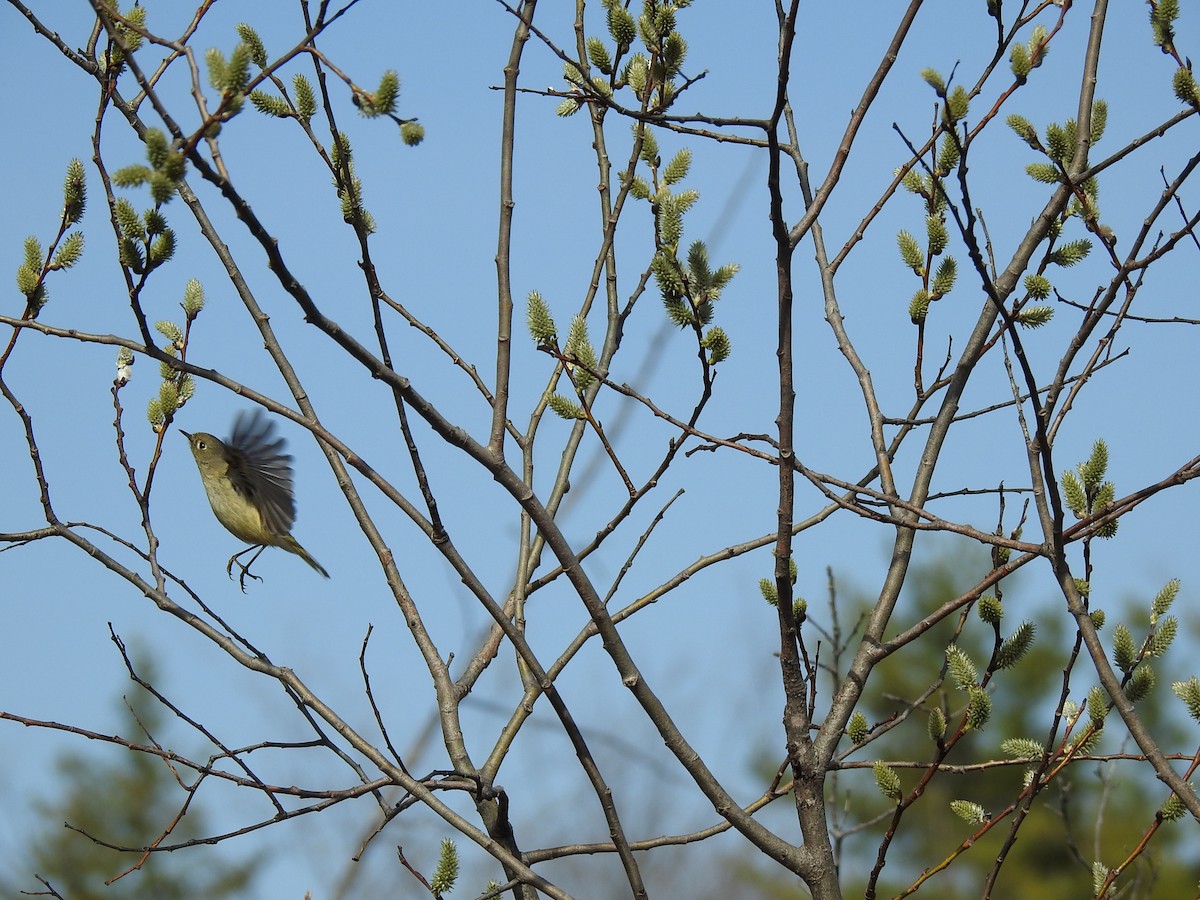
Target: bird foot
x,y
244,567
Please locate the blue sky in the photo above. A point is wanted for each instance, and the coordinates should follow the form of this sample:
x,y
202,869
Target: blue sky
x,y
436,209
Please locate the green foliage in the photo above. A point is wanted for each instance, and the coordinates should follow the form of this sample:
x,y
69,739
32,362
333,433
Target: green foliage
x,y
1097,707
1024,130
170,331
649,151
1184,85
129,254
1124,650
126,39
971,813
1016,645
1163,600
1035,316
886,780
677,168
69,251
914,182
799,610
1037,46
1068,254
956,105
155,222
254,44
936,726
383,101
857,728
1038,286
567,107
979,708
30,281
1099,876
935,81
674,52
1060,141
128,220
162,188
1018,724
918,307
1162,637
1141,684
1086,206
962,671
214,59
1021,748
306,101
935,229
125,798
446,873
621,26
1093,470
689,295
647,28
579,348
537,315
598,55
29,272
168,397
1189,692
717,343
910,252
1019,62
131,176
193,298
564,408
1162,23
1172,809
166,170
237,71
270,105
74,192
1073,494
943,278
637,75
990,609
1043,172
670,222
1088,494
165,369
1099,121
162,248
767,585
349,188
573,73
412,133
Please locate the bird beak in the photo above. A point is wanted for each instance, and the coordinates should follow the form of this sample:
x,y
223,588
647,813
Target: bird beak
x,y
185,434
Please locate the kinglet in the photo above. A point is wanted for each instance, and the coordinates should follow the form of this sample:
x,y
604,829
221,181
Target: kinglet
x,y
248,480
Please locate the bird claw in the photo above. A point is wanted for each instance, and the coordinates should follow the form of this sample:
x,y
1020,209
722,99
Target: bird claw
x,y
244,567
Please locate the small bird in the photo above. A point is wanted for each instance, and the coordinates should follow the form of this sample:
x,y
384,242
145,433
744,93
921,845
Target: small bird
x,y
248,480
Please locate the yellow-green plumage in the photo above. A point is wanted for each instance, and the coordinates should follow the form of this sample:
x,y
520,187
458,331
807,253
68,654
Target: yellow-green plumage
x,y
248,480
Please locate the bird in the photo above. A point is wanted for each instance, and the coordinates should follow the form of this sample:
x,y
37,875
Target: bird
x,y
248,480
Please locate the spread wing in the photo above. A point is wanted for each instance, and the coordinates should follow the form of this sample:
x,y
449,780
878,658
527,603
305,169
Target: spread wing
x,y
260,470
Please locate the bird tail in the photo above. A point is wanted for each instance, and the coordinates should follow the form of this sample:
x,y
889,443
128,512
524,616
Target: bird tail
x,y
292,545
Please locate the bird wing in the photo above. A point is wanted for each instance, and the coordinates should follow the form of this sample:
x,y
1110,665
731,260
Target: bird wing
x,y
260,471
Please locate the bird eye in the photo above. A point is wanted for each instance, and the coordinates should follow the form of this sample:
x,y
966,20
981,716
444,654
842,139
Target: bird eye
x,y
200,445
